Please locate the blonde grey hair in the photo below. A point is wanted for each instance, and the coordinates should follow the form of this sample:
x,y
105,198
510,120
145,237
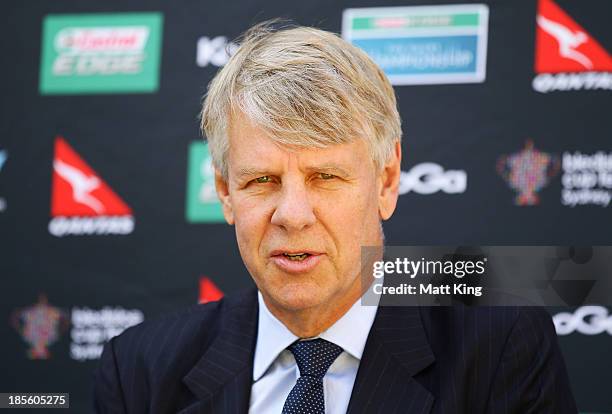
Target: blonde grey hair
x,y
305,87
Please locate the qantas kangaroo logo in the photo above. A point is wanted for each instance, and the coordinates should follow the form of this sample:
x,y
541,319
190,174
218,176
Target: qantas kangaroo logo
x,y
568,40
567,57
82,185
81,202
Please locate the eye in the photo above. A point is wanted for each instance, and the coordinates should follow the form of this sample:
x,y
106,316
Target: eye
x,y
263,180
326,176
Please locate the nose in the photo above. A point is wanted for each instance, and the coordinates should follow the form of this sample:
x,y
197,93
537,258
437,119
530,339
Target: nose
x,y
294,211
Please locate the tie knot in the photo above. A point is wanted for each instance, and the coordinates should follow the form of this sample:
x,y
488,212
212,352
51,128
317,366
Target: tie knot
x,y
314,357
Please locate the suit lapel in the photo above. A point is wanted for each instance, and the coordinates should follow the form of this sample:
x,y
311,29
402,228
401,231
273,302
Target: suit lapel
x,y
396,350
221,379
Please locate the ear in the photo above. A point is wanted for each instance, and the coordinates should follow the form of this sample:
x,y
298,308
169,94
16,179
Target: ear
x,y
222,188
389,190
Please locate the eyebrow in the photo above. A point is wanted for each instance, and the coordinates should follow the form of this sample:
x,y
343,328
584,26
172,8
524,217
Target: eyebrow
x,y
250,172
329,168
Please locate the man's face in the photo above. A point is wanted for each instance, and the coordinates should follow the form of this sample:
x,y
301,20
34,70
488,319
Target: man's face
x,y
302,215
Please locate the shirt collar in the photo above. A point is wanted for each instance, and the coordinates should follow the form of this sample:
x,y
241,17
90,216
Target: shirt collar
x,y
350,332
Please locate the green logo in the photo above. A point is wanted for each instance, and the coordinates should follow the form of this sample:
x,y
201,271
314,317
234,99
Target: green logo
x,y
100,53
203,206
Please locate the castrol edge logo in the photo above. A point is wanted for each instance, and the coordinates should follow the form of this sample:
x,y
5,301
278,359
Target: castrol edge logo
x,y
102,39
100,53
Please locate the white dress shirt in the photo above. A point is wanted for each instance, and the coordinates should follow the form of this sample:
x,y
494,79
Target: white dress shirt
x,y
275,371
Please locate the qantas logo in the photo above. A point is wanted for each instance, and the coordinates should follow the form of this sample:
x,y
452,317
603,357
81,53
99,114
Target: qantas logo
x,y
568,41
81,202
82,185
567,57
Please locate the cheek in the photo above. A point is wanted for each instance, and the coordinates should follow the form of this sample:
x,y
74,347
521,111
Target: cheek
x,y
251,218
351,219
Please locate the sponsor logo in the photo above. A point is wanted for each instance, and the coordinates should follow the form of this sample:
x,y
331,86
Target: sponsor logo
x,y
202,205
100,53
92,328
3,158
587,320
423,44
429,178
209,292
81,203
40,325
586,179
527,172
567,57
214,51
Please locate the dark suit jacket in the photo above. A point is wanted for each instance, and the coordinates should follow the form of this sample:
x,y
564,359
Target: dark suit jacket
x,y
416,360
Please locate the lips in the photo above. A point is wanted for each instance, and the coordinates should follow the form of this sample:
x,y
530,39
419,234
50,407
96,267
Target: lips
x,y
278,252
296,261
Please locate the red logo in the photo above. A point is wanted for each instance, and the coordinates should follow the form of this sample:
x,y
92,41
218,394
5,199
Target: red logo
x,y
567,57
78,190
562,45
209,292
81,202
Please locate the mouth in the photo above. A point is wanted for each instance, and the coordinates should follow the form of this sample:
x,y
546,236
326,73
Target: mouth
x,y
296,261
294,253
298,257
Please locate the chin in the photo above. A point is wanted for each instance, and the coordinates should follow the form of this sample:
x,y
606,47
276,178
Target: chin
x,y
297,296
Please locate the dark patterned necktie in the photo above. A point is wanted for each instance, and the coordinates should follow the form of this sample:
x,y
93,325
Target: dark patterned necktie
x,y
313,358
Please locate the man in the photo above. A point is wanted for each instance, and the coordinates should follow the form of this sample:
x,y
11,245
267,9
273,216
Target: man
x,y
304,134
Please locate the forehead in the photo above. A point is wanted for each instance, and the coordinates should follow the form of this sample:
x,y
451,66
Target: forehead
x,y
251,146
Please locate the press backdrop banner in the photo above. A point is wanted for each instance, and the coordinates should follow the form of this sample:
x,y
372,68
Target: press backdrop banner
x,y
108,214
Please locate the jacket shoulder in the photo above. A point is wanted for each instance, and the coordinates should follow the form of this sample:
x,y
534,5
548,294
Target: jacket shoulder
x,y
146,363
170,332
186,331
510,355
483,336
493,321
